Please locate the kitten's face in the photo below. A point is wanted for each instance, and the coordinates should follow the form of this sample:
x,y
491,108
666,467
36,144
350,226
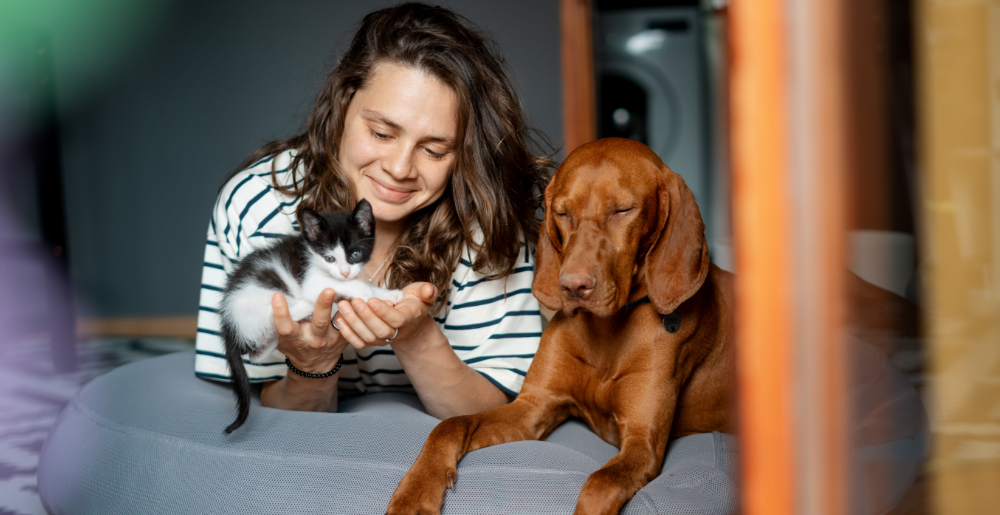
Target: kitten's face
x,y
341,243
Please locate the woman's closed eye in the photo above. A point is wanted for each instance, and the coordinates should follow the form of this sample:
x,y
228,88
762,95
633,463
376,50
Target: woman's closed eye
x,y
427,150
434,154
378,135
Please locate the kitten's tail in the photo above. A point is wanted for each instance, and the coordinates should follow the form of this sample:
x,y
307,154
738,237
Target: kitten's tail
x,y
241,384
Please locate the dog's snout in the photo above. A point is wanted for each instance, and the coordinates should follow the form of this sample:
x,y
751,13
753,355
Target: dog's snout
x,y
578,285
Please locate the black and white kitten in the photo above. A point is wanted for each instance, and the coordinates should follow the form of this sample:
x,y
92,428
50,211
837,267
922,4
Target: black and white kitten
x,y
329,252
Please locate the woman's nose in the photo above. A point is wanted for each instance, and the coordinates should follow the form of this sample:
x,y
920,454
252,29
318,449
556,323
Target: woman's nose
x,y
399,161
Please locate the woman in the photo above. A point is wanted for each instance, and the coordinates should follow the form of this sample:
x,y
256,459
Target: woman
x,y
419,119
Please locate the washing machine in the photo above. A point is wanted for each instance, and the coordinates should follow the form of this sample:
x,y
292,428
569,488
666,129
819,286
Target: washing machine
x,y
651,87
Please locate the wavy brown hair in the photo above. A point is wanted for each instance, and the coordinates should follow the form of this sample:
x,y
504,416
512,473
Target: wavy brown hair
x,y
496,181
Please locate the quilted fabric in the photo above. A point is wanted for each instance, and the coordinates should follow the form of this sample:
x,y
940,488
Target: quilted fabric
x,y
148,438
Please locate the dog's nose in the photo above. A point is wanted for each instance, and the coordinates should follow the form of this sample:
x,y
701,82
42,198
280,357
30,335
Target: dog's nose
x,y
577,285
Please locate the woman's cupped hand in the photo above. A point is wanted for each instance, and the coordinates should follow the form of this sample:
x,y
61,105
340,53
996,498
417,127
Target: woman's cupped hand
x,y
374,322
313,346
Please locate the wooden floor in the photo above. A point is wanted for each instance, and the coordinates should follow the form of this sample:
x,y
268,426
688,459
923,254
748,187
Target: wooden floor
x,y
183,326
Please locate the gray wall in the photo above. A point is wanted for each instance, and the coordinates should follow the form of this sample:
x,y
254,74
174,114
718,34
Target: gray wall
x,y
145,151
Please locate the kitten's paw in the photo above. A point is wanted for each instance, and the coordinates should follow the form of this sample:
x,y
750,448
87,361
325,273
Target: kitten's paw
x,y
300,311
395,296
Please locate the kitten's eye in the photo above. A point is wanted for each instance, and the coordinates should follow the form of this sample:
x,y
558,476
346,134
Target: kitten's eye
x,y
329,259
356,255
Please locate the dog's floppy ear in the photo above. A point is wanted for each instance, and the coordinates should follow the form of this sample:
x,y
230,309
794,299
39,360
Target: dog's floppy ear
x,y
677,262
548,259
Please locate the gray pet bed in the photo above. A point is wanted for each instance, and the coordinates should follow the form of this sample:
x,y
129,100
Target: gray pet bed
x,y
147,438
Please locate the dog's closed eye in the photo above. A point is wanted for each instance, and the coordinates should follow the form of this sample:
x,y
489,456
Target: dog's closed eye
x,y
564,217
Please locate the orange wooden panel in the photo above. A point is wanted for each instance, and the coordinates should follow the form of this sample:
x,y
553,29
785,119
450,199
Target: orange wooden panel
x,y
831,135
761,224
579,103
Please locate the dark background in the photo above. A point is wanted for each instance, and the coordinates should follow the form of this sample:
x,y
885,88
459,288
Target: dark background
x,y
156,104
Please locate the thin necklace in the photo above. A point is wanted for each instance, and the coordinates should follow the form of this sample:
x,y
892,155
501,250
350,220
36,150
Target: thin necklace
x,y
377,270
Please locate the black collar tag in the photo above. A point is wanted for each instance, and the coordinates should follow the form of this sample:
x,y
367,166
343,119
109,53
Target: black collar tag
x,y
672,322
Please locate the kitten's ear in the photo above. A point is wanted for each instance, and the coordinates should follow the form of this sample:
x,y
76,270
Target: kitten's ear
x,y
364,217
312,223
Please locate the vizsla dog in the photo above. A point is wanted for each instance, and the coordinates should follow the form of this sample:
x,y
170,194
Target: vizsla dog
x,y
641,347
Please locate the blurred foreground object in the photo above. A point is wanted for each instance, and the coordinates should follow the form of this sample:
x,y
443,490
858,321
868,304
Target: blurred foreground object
x,y
958,59
46,156
35,263
810,130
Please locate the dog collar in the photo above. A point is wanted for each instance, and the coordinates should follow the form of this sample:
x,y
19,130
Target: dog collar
x,y
635,303
671,321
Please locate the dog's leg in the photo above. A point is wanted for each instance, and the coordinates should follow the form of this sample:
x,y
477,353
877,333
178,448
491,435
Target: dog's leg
x,y
422,489
614,484
644,419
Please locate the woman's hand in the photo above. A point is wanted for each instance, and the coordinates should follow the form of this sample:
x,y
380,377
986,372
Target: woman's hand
x,y
371,323
444,383
311,345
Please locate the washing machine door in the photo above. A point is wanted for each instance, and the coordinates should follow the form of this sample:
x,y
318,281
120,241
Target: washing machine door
x,y
636,103
651,86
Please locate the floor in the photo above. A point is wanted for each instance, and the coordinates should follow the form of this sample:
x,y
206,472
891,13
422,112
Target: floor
x,y
32,394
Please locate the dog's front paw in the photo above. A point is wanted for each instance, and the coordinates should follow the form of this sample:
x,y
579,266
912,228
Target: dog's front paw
x,y
421,492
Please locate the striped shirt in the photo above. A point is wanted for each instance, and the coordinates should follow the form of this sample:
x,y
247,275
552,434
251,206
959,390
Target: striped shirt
x,y
493,324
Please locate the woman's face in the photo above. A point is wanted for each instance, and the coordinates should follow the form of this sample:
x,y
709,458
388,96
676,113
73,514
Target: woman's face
x,y
398,145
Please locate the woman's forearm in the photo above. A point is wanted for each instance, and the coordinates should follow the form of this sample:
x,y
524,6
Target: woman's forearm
x,y
445,384
298,393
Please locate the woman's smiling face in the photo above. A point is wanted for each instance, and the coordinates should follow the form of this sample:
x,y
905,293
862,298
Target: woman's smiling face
x,y
398,144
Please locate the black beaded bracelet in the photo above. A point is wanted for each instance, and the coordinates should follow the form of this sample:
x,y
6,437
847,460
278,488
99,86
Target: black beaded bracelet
x,y
315,376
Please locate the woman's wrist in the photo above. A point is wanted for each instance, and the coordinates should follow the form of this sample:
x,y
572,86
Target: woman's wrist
x,y
316,361
317,365
421,342
324,375
299,393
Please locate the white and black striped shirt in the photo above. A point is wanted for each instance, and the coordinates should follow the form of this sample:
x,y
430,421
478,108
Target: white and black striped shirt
x,y
493,325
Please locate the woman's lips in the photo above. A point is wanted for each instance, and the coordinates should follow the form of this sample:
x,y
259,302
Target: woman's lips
x,y
389,193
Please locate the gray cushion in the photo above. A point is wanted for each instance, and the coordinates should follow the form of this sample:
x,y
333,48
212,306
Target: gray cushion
x,y
148,438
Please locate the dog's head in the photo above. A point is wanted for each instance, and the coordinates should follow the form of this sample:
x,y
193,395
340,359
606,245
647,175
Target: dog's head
x,y
619,225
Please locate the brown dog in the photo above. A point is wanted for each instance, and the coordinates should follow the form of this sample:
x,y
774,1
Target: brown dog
x,y
620,228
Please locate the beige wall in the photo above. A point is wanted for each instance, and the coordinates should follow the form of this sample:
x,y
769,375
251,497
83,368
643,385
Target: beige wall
x,y
958,49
